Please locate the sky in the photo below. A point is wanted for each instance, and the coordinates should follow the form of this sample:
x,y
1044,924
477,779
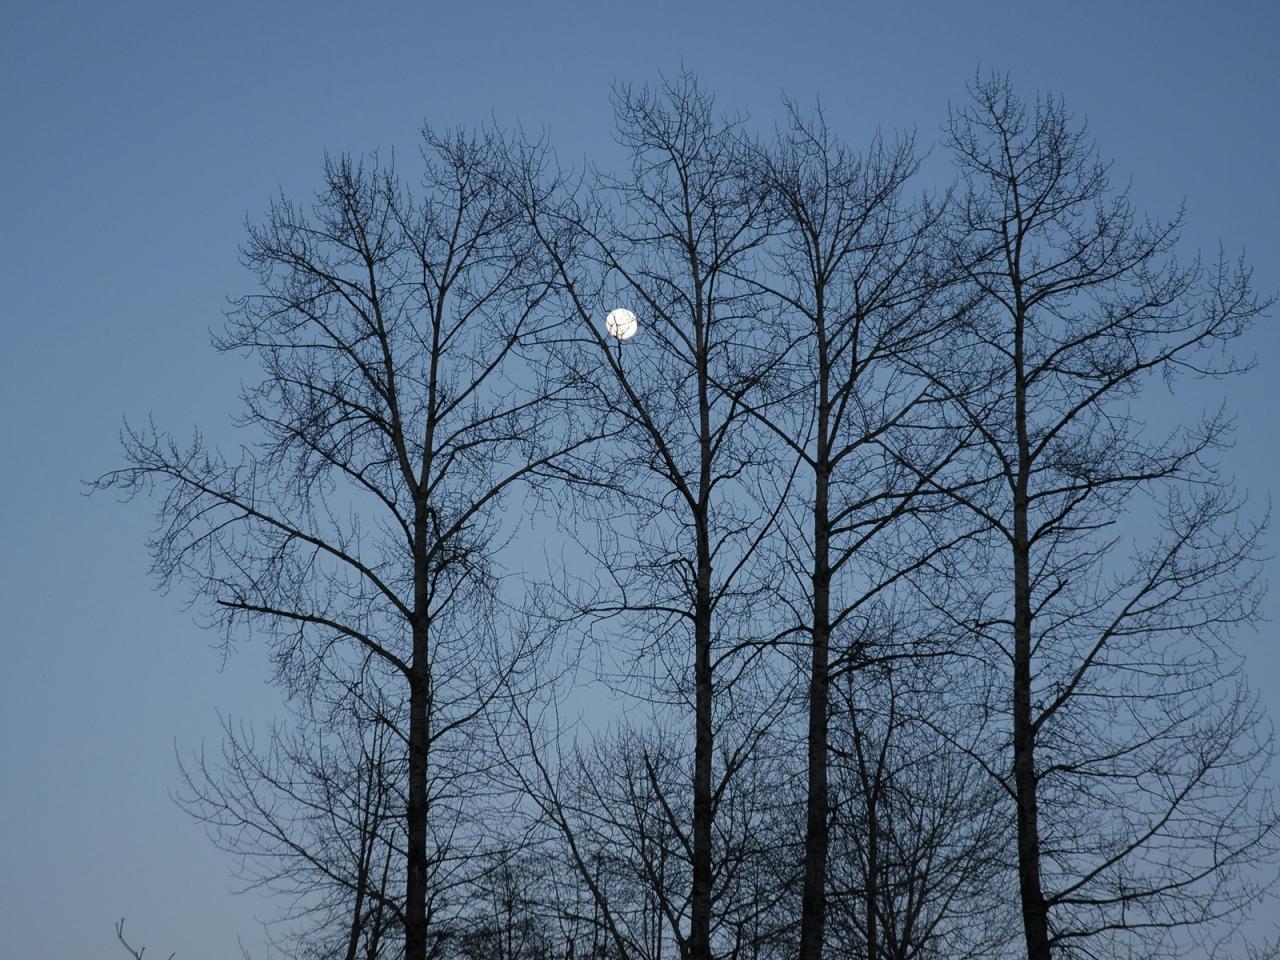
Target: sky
x,y
138,137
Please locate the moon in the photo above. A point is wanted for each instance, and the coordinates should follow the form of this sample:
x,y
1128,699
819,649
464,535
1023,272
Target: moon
x,y
621,324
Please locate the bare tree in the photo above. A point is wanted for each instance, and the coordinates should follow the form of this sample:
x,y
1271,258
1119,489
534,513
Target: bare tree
x,y
917,865
891,460
311,815
1133,755
507,921
618,817
677,527
397,410
854,295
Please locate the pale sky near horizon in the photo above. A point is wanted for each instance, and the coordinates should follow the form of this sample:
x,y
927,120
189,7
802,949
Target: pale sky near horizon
x,y
137,137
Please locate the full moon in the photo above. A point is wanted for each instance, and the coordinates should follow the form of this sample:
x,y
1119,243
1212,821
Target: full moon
x,y
621,323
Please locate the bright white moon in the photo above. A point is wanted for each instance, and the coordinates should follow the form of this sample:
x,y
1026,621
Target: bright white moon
x,y
621,323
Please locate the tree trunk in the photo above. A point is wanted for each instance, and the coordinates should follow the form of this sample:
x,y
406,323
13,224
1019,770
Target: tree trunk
x,y
415,908
1035,920
700,892
700,899
813,903
872,892
368,840
1034,909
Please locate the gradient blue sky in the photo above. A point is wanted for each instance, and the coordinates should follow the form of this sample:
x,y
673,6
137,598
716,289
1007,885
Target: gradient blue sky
x,y
137,137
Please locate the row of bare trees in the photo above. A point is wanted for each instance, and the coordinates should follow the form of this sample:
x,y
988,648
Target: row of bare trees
x,y
868,592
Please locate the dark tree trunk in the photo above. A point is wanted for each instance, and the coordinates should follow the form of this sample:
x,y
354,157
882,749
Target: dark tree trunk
x,y
368,840
1034,908
415,908
813,905
1035,920
872,892
703,746
700,901
415,913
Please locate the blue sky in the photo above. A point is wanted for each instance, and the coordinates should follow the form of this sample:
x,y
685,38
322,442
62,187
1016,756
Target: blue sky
x,y
137,138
